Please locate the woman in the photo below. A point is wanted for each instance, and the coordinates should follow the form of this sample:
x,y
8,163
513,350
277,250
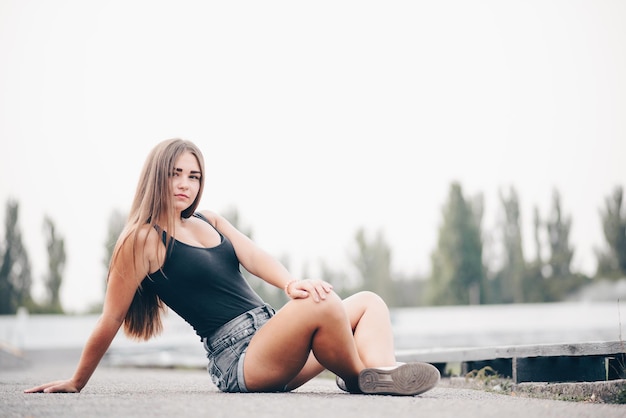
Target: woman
x,y
169,253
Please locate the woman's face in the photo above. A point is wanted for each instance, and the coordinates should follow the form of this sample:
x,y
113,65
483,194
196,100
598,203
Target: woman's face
x,y
185,181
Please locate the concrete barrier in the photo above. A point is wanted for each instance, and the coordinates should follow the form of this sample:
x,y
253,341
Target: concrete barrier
x,y
577,362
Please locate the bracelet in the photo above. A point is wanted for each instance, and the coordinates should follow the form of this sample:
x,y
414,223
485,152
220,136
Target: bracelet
x,y
289,283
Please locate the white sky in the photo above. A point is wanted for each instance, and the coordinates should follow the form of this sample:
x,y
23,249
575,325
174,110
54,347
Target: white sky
x,y
315,118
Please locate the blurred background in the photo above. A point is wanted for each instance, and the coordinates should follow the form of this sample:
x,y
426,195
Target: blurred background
x,y
441,153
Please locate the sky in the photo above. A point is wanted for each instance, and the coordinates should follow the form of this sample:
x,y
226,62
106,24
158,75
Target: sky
x,y
315,118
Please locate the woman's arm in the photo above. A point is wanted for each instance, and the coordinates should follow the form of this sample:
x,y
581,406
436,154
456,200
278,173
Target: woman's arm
x,y
122,284
260,263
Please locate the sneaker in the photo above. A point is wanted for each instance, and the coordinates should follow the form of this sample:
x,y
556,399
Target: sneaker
x,y
341,384
408,379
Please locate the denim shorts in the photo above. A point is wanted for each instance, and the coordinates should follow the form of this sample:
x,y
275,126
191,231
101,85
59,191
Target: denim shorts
x,y
226,348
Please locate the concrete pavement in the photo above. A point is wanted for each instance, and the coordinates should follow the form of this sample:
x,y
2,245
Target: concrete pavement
x,y
137,392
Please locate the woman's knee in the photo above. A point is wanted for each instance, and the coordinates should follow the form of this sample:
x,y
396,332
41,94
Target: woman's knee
x,y
329,308
367,298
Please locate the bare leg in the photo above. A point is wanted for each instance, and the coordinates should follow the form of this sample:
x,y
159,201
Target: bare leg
x,y
373,336
371,324
280,349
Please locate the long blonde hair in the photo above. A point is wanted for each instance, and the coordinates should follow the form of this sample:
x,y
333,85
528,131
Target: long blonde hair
x,y
151,203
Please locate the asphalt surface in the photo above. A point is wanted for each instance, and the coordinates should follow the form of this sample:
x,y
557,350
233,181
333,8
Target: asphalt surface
x,y
139,392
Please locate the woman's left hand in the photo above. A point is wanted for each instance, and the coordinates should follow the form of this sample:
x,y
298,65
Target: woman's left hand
x,y
301,289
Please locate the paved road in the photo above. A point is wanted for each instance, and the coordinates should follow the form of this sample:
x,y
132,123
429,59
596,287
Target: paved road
x,y
133,392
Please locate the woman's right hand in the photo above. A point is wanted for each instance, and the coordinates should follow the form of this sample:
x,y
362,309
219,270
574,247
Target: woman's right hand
x,y
63,386
300,289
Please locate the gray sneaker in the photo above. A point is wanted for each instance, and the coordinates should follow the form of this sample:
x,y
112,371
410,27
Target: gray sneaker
x,y
341,384
407,379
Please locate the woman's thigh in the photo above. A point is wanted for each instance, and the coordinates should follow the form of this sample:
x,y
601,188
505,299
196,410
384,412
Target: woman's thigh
x,y
355,306
280,349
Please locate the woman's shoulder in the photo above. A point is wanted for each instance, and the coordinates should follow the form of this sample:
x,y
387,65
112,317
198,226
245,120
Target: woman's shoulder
x,y
148,234
139,247
144,236
220,223
209,216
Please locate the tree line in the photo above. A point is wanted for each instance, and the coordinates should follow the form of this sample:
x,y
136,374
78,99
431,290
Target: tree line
x,y
15,269
461,271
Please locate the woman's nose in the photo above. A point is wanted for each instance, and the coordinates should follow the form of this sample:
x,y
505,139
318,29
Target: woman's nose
x,y
182,183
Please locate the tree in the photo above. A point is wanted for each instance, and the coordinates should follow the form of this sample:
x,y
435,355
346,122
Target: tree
x,y
15,270
115,226
457,267
537,237
56,265
558,228
338,278
117,221
373,262
612,262
534,281
559,279
512,274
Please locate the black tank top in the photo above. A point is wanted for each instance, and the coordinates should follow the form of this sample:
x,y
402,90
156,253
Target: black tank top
x,y
203,285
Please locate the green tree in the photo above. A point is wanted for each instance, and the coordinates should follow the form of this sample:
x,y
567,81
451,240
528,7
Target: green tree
x,y
512,273
558,229
15,270
612,262
534,281
115,226
457,273
537,236
338,278
409,291
559,278
56,265
373,263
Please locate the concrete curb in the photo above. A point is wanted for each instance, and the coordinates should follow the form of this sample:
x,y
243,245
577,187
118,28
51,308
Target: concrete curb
x,y
611,392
